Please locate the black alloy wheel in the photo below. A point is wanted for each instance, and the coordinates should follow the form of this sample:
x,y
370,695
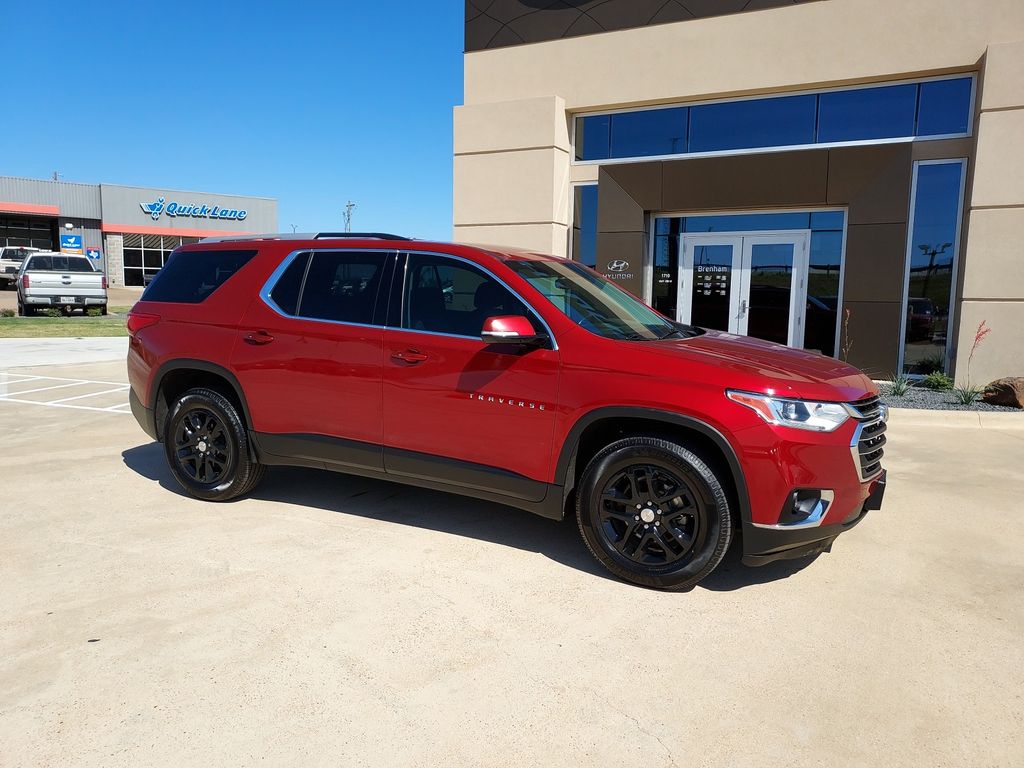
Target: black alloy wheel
x,y
650,515
202,447
207,447
654,513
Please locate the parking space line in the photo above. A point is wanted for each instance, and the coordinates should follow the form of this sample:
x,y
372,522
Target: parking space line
x,y
65,378
121,388
59,405
44,389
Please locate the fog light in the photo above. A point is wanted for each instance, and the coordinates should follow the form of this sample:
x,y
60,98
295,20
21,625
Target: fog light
x,y
805,506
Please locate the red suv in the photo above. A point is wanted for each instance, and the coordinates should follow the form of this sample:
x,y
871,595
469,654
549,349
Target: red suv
x,y
508,376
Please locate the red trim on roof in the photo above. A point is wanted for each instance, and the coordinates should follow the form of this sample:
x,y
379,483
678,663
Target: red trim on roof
x,y
47,210
134,229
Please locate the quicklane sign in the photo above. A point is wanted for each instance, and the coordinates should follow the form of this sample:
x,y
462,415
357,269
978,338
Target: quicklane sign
x,y
174,209
71,244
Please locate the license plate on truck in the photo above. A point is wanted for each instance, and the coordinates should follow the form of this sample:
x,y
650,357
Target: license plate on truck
x,y
67,299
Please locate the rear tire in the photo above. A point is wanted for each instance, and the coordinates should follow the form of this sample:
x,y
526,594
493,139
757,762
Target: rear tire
x,y
103,310
21,309
653,513
207,447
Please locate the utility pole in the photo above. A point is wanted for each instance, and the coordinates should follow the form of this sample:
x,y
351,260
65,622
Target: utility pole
x,y
294,227
348,215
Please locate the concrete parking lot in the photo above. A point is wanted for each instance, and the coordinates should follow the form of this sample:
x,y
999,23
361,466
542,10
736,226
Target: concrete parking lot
x,y
329,620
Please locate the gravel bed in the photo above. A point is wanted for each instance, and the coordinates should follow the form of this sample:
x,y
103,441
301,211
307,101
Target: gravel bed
x,y
918,397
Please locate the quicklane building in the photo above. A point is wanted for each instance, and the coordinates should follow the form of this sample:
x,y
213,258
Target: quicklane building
x,y
838,175
128,231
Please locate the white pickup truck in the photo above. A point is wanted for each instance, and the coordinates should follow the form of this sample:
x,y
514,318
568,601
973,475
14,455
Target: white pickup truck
x,y
11,257
61,281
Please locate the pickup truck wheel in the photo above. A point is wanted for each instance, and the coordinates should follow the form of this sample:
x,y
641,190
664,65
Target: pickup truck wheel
x,y
207,447
653,513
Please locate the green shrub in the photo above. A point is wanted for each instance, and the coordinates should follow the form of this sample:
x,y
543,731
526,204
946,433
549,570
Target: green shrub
x,y
966,394
6,313
938,381
93,311
52,312
899,384
933,364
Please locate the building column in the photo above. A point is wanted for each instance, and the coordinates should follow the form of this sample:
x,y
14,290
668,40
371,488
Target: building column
x,y
993,269
113,255
511,174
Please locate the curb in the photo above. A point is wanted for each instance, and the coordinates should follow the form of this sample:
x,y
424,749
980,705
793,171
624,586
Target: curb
x,y
920,417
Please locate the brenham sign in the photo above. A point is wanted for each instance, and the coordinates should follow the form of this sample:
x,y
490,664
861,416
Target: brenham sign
x,y
175,209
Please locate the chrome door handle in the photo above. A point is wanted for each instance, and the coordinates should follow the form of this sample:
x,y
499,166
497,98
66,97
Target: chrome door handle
x,y
743,308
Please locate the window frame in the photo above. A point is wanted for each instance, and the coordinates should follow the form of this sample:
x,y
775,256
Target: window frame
x,y
973,75
398,292
383,291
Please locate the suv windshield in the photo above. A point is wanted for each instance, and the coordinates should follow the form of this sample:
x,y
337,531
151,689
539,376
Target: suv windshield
x,y
595,304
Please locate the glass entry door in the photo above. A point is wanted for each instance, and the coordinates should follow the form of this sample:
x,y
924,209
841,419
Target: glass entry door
x,y
747,284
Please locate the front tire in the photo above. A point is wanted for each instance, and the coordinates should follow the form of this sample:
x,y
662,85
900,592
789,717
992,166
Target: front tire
x,y
207,447
653,513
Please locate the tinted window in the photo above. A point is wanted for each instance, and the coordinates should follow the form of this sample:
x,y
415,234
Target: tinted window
x,y
752,123
286,291
584,227
445,296
649,132
60,264
867,113
945,107
342,286
15,254
189,277
593,137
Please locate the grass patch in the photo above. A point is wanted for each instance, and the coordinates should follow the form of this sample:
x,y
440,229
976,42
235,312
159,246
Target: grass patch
x,y
56,327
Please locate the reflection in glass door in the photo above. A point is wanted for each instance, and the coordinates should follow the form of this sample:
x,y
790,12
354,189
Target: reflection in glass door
x,y
747,284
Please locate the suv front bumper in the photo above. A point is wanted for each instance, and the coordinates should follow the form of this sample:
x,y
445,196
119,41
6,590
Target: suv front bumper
x,y
765,545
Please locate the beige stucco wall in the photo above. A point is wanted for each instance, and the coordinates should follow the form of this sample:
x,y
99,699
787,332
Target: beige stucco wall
x,y
513,170
993,263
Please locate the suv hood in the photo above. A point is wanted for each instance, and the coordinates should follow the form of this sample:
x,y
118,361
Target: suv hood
x,y
763,366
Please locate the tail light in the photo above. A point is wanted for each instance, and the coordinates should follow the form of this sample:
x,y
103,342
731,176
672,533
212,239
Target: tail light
x,y
24,282
103,282
139,320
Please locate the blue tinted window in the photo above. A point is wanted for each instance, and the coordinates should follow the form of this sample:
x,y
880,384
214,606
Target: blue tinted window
x,y
827,220
584,244
649,132
867,113
751,222
933,246
592,137
752,123
945,107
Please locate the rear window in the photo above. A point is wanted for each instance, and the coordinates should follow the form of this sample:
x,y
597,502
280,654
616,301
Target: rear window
x,y
15,254
189,277
59,264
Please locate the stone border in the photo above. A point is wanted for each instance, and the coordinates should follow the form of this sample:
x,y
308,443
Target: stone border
x,y
919,417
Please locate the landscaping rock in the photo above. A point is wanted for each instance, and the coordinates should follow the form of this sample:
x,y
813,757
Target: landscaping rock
x,y
1006,392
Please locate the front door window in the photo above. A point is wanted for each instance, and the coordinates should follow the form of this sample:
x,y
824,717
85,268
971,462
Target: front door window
x,y
747,284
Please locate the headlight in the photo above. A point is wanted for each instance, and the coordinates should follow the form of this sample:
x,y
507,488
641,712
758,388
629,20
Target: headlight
x,y
801,414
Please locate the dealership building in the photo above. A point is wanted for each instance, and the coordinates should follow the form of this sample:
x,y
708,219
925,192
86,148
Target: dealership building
x,y
128,231
845,176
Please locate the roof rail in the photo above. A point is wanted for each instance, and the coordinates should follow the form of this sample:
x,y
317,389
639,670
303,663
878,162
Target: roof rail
x,y
304,236
359,236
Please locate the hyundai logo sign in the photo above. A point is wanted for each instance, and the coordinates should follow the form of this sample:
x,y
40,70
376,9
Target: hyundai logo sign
x,y
618,266
173,209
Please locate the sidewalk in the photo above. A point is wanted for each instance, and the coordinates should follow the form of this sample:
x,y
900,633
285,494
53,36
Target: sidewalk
x,y
23,353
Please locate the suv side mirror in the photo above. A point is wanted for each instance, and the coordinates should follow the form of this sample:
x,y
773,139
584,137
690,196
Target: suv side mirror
x,y
509,329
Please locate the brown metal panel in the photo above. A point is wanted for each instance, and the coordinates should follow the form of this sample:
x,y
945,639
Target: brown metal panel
x,y
642,181
768,180
873,180
617,211
872,336
875,262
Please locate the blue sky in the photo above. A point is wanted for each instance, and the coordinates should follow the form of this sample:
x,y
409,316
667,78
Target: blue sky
x,y
313,103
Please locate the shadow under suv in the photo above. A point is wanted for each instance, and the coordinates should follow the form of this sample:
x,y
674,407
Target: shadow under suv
x,y
514,377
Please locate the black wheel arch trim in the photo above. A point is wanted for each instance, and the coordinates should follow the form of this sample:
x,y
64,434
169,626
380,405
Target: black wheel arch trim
x,y
565,470
190,364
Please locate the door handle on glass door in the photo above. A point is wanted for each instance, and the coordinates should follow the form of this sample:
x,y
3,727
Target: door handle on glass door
x,y
408,356
743,308
259,337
